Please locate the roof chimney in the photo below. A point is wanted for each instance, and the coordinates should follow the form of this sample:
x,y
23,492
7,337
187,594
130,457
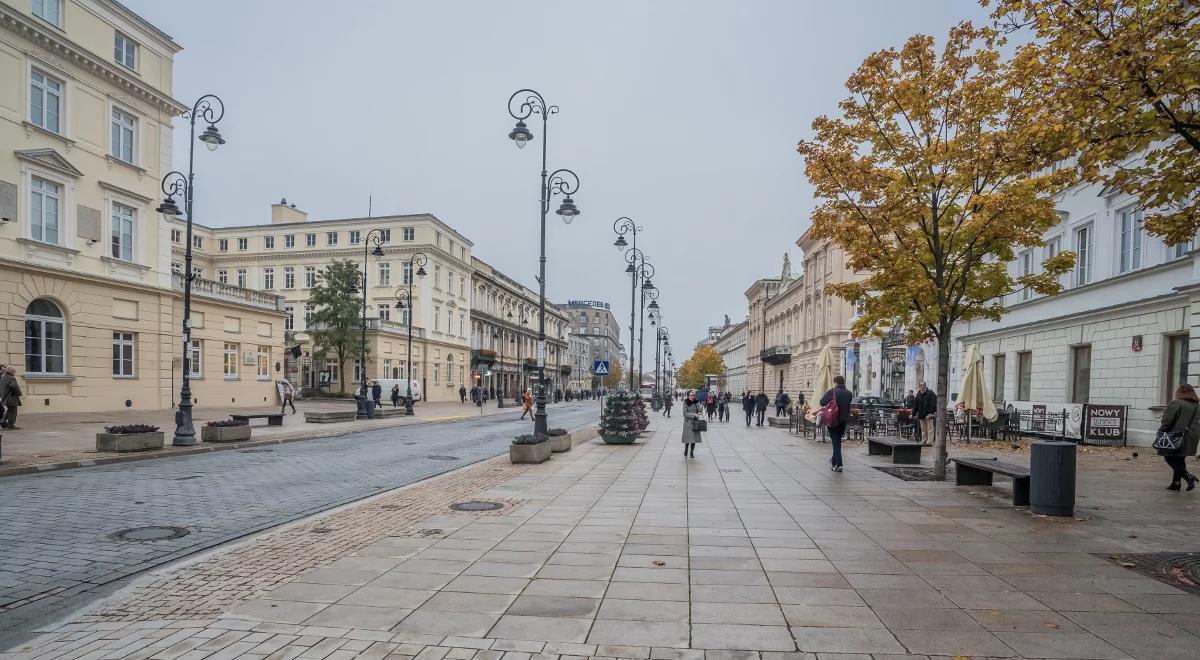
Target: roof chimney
x,y
283,212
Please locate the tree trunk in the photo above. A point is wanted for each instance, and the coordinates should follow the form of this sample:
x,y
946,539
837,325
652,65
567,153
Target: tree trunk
x,y
341,373
940,432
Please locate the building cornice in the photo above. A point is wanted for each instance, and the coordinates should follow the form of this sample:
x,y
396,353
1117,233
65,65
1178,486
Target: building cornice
x,y
1079,317
57,43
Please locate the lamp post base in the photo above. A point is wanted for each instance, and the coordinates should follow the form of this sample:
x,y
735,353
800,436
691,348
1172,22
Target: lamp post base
x,y
185,431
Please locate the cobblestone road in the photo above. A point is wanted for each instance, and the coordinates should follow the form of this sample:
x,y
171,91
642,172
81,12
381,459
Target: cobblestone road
x,y
56,549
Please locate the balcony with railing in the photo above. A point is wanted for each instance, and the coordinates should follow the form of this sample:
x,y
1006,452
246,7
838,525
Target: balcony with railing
x,y
375,324
776,355
202,288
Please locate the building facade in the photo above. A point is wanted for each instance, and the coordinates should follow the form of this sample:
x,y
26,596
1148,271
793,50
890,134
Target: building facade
x,y
286,257
504,335
593,322
90,311
732,346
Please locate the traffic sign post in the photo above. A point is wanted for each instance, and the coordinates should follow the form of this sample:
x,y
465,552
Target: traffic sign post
x,y
600,368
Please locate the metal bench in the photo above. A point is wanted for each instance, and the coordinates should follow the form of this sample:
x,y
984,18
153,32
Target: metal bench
x,y
901,451
979,471
273,418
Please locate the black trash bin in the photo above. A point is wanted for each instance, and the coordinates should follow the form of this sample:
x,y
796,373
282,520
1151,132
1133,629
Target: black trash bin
x,y
1052,478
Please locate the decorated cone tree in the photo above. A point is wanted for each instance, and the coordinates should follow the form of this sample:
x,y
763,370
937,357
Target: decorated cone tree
x,y
618,421
639,412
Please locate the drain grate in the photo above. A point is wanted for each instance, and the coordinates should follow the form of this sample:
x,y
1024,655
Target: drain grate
x,y
911,473
150,533
255,451
476,506
439,457
731,470
1178,569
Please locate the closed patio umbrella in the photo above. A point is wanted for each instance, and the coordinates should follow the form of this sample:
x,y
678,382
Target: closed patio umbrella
x,y
973,395
824,380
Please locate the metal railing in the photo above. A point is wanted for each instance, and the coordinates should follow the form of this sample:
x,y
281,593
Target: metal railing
x,y
217,291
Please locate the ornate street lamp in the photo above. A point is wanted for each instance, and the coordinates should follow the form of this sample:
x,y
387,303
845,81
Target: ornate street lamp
x,y
649,292
405,299
660,338
625,225
211,109
640,271
560,182
523,319
373,237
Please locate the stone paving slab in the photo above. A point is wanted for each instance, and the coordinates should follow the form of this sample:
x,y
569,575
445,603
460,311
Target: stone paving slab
x,y
752,551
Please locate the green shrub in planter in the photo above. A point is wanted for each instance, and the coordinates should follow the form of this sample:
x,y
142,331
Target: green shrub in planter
x,y
225,430
529,449
619,423
129,437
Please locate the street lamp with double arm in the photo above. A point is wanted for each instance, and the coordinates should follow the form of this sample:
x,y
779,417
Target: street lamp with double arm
x,y
404,299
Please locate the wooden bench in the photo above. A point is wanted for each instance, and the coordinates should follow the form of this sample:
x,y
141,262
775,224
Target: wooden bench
x,y
901,451
979,471
273,418
329,416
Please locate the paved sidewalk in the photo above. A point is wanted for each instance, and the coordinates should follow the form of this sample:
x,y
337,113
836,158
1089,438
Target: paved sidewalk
x,y
753,548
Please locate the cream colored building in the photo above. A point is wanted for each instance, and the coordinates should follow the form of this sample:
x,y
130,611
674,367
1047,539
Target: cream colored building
x,y
792,318
286,256
90,313
504,334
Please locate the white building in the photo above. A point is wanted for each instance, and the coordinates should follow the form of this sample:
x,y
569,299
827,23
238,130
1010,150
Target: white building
x,y
1120,332
732,346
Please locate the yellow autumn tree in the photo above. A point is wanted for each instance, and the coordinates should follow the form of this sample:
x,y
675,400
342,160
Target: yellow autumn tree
x,y
931,179
705,360
1124,75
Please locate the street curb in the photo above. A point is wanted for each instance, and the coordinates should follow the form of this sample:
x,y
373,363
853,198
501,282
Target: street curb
x,y
38,468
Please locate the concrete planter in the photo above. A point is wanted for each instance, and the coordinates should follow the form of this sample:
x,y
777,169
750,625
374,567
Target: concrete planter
x,y
560,443
618,439
129,441
537,453
225,433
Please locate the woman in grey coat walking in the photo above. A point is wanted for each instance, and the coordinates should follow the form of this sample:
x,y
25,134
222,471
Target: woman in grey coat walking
x,y
692,411
1179,417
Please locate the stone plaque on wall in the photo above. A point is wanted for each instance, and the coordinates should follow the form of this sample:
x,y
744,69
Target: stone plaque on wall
x,y
88,223
8,201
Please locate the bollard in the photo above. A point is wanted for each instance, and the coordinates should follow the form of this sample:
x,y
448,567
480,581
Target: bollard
x,y
1052,478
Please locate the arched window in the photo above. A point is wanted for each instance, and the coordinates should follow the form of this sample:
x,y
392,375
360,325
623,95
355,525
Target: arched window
x,y
45,338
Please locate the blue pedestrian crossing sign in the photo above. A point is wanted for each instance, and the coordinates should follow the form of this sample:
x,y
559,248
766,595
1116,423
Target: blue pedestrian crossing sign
x,y
600,368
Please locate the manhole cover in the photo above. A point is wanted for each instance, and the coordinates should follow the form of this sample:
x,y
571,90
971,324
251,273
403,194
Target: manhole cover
x,y
255,451
439,457
911,473
1178,569
430,532
733,470
476,506
151,533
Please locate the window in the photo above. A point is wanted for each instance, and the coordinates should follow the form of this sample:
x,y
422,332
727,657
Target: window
x,y
1083,258
124,127
263,362
197,272
404,314
449,321
222,245
410,234
243,244
437,314
49,11
437,276
223,276
122,363
289,317
385,274
1024,375
1181,250
122,232
998,378
355,237
1053,246
289,277
437,372
451,248
462,287
438,238
310,240
462,324
462,254
1026,266
1177,365
268,242
385,312
125,51
289,240
1081,373
176,236
385,235
241,277
44,205
268,278
196,359
176,267
45,101
310,276
309,312
1131,239
331,238
198,242
45,338
450,280
406,272
230,364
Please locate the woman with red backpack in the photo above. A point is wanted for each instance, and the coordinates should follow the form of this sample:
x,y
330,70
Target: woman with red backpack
x,y
835,413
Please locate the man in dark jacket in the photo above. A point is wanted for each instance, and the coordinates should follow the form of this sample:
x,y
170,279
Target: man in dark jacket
x,y
781,403
843,397
377,393
748,407
3,370
462,394
10,395
925,412
760,407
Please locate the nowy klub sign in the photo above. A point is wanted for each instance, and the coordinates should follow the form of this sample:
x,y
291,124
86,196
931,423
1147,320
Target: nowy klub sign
x,y
1104,423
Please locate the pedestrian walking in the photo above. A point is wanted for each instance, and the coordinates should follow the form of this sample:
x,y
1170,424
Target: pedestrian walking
x,y
710,405
3,372
667,403
781,403
376,393
462,394
910,400
925,410
748,407
10,394
840,397
396,395
722,407
760,407
692,424
1178,435
527,404
289,397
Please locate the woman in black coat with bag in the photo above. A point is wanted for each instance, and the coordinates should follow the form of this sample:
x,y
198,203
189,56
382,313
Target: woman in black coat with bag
x,y
1179,435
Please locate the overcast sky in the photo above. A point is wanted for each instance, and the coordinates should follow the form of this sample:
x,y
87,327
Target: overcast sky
x,y
682,115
